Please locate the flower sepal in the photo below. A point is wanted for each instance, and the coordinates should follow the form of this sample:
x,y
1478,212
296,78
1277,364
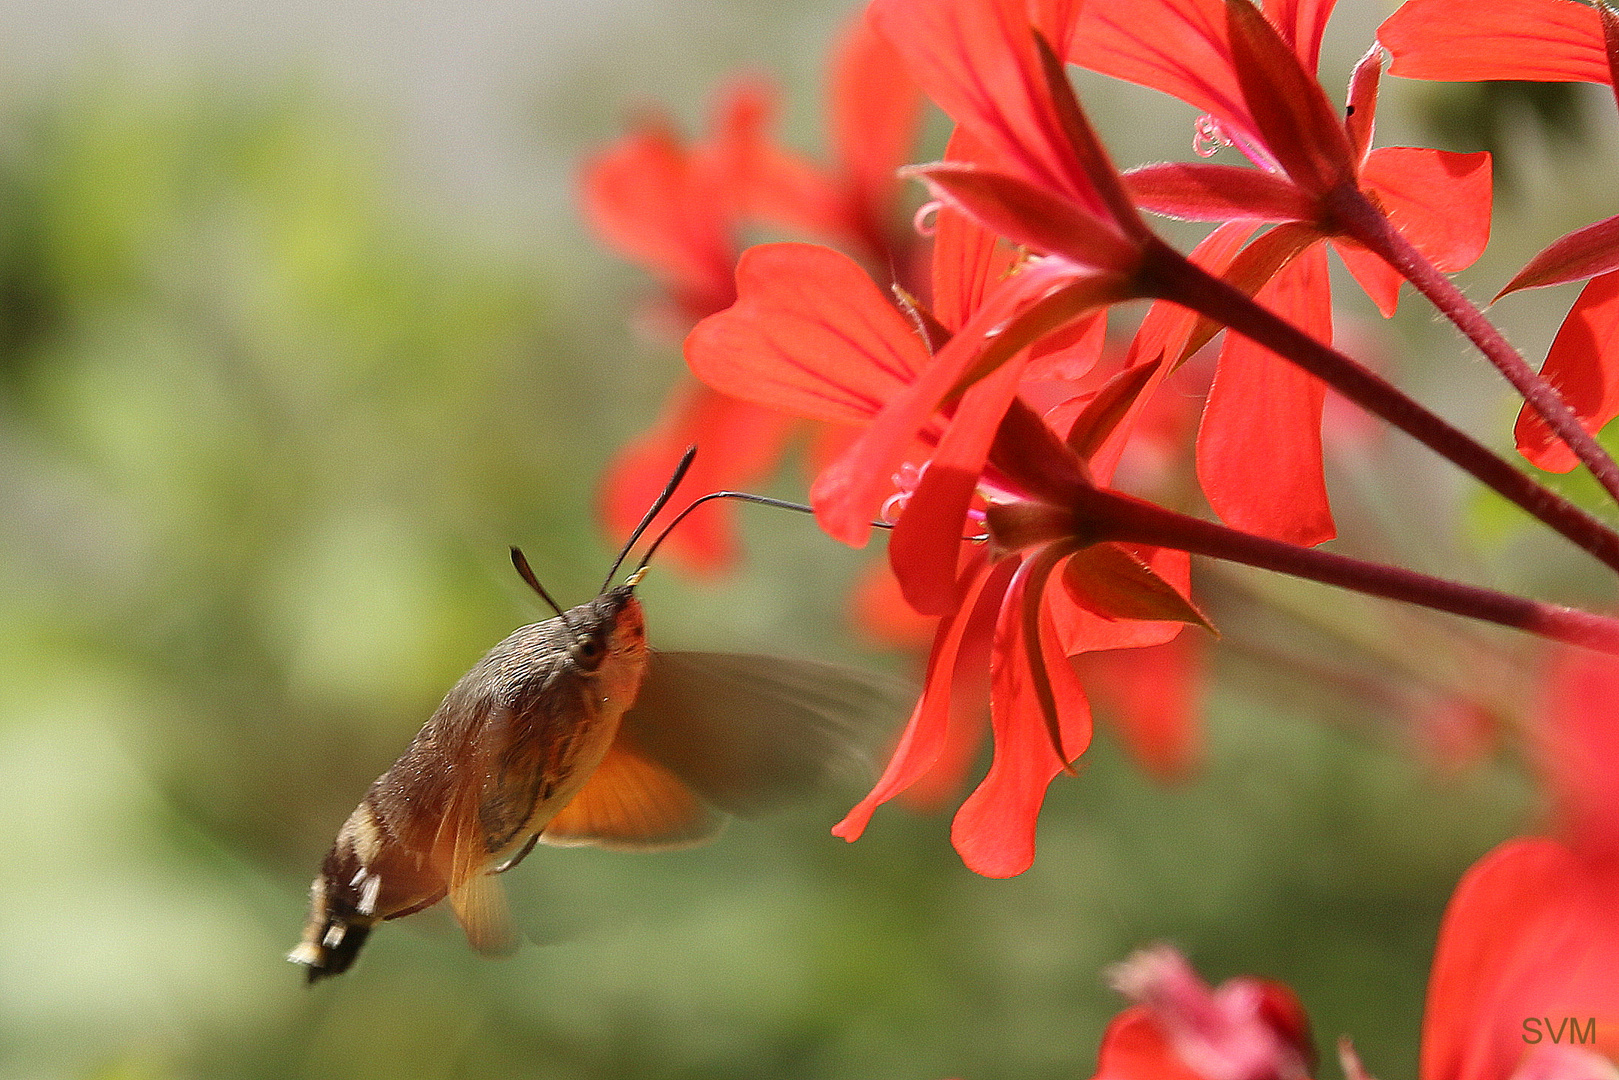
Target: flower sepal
x,y
1015,526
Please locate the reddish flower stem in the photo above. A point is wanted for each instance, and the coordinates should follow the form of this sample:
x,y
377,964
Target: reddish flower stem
x,y
1114,516
1364,222
1168,274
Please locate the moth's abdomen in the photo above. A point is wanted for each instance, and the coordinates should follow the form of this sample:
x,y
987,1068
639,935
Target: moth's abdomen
x,y
329,946
365,878
512,743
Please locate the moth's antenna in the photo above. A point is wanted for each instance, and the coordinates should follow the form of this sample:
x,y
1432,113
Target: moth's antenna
x,y
743,496
527,574
657,506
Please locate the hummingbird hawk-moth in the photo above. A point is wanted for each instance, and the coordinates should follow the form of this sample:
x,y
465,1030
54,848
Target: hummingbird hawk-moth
x,y
574,731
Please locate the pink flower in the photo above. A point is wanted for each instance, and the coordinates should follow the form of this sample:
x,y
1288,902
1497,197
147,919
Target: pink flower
x,y
1245,1029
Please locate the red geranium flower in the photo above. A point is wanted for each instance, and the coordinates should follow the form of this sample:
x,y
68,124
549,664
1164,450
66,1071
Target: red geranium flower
x,y
1259,449
812,334
1027,166
1041,594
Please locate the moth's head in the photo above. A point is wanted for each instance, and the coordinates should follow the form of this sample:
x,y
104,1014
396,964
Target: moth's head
x,y
610,627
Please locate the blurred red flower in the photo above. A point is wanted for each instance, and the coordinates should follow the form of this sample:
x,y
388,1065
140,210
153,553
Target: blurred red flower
x,y
1183,1029
681,209
1531,933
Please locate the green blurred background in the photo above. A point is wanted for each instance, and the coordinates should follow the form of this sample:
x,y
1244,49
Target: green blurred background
x,y
298,331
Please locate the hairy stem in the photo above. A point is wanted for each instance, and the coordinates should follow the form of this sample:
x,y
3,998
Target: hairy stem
x,y
1115,516
1371,227
1170,275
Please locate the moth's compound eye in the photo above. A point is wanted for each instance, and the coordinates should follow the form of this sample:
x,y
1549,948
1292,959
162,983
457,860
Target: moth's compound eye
x,y
587,651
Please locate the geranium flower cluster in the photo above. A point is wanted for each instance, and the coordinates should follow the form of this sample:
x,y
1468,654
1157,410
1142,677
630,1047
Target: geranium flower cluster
x,y
965,393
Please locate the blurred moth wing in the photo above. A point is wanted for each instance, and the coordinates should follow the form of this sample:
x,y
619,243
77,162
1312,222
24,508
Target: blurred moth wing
x,y
752,733
712,735
632,802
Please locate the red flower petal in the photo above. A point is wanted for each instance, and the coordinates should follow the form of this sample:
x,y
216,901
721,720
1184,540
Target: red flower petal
x,y
649,201
1360,113
1251,268
1081,630
968,730
810,334
1550,1061
1177,332
1583,365
1177,46
1581,254
1068,354
1467,40
1028,453
876,112
1031,215
1377,279
738,446
1439,200
1579,750
968,259
1297,123
880,612
788,190
1244,1029
928,732
765,181
1110,581
1128,39
1259,446
944,782
1136,1048
923,546
1206,192
1167,329
849,491
994,829
977,60
1529,933
1102,418
1301,24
